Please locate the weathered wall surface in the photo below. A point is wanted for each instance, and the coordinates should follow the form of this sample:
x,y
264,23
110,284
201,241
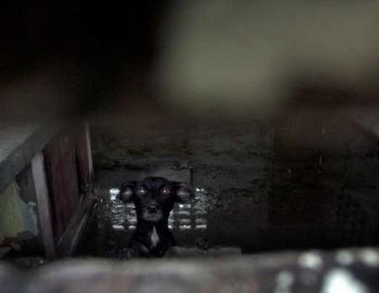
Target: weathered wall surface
x,y
325,183
235,164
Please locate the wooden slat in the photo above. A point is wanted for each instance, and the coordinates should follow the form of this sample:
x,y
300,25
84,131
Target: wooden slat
x,y
60,162
70,238
89,149
18,145
43,202
84,158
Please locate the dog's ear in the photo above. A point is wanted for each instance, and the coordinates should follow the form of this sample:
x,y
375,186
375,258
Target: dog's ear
x,y
126,191
184,192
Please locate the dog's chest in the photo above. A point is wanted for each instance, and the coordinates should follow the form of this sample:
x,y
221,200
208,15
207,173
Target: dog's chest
x,y
153,237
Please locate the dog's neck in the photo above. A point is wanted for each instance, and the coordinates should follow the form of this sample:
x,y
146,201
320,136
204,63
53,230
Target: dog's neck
x,y
154,232
144,225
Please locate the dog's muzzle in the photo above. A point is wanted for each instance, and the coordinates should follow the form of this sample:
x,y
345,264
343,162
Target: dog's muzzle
x,y
152,214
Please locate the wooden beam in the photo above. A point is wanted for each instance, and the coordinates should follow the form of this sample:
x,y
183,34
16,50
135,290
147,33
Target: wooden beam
x,y
70,238
69,173
89,150
84,158
18,145
43,203
62,178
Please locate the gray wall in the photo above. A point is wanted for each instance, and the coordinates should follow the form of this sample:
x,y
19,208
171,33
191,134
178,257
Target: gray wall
x,y
325,183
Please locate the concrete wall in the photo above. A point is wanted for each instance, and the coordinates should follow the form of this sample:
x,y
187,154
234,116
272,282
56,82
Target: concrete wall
x,y
325,183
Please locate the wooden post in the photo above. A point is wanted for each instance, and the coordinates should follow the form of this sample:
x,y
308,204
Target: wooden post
x,y
69,174
43,202
84,159
89,151
70,238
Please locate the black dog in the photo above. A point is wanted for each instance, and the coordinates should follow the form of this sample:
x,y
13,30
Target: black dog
x,y
154,198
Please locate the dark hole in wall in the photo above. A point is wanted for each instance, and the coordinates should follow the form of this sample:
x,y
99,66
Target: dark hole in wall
x,y
300,182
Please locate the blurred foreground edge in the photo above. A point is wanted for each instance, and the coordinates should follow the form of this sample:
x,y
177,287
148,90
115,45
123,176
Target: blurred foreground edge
x,y
309,271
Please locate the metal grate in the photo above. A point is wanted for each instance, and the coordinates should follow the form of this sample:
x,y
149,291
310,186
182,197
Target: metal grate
x,y
183,217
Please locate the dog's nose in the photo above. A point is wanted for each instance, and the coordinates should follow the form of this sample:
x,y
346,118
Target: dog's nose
x,y
152,208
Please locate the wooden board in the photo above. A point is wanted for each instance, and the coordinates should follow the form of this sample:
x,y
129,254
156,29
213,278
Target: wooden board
x,y
18,145
43,204
60,161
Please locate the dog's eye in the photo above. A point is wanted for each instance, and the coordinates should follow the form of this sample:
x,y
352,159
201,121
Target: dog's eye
x,y
166,191
141,191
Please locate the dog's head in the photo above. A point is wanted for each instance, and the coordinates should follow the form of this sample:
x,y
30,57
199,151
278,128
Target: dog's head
x,y
154,197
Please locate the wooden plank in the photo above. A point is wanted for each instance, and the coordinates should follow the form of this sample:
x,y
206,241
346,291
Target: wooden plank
x,y
18,145
71,237
89,150
62,176
84,159
69,165
43,202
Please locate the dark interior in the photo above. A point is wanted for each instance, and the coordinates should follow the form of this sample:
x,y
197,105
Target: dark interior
x,y
277,163
304,181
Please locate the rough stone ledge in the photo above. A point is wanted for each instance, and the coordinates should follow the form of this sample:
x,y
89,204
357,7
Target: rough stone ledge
x,y
308,271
